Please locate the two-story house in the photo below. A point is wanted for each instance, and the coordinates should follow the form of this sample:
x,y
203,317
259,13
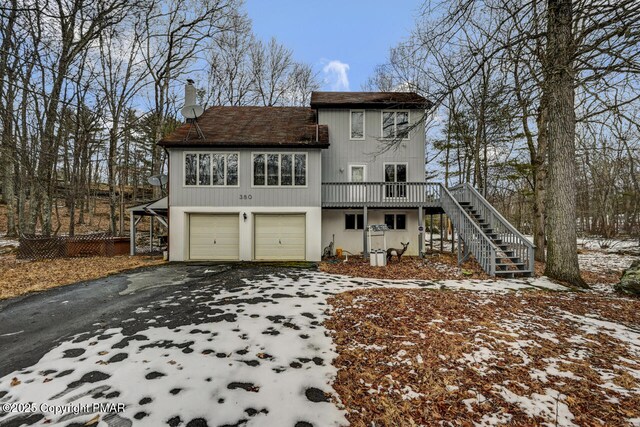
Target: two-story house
x,y
249,186
282,183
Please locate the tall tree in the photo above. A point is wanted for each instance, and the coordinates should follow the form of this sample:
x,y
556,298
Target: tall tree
x,y
558,88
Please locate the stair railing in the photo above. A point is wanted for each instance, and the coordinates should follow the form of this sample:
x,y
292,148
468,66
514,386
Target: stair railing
x,y
482,248
522,247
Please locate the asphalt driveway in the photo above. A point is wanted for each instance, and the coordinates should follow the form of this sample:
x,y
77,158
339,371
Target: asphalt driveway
x,y
172,345
181,345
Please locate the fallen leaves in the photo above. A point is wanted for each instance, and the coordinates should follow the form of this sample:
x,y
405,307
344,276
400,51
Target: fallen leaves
x,y
15,382
20,277
410,357
437,266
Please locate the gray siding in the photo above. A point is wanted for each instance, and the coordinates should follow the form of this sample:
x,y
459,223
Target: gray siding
x,y
344,151
179,195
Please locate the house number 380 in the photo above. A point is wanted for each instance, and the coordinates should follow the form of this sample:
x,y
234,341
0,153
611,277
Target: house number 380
x,y
246,197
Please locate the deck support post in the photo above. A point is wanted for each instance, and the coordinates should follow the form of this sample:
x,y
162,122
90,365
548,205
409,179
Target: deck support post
x,y
459,249
421,233
445,230
431,232
132,233
151,235
365,223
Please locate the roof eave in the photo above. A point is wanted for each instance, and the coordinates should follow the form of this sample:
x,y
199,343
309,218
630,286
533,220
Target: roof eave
x,y
211,144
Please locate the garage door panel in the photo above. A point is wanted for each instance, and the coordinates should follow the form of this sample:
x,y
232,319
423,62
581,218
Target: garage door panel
x,y
280,237
214,237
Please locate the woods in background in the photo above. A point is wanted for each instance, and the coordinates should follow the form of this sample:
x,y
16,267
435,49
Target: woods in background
x,y
538,106
87,88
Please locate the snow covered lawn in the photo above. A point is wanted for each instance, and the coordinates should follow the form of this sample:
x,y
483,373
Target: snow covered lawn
x,y
526,358
256,353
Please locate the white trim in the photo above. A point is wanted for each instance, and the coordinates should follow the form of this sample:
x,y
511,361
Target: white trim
x,y
358,165
211,153
364,126
384,166
293,169
395,123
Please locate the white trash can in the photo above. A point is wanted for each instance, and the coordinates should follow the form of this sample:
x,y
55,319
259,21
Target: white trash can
x,y
382,258
373,258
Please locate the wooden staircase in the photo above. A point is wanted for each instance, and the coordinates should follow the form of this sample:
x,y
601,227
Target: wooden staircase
x,y
507,263
499,248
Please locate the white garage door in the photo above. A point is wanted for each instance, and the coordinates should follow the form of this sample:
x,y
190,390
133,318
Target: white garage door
x,y
213,237
280,237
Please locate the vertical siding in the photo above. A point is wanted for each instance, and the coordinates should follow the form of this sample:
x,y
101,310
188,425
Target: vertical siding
x,y
230,196
344,151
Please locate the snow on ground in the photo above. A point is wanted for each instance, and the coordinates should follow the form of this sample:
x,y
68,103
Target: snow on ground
x,y
603,262
514,358
260,356
609,245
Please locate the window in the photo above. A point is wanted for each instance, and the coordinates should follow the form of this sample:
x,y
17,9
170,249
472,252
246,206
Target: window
x,y
357,124
395,124
279,170
211,169
353,221
396,221
395,177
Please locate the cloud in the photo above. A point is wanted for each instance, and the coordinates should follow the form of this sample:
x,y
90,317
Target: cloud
x,y
336,75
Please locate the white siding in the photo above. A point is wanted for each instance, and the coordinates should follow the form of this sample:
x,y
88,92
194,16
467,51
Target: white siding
x,y
351,240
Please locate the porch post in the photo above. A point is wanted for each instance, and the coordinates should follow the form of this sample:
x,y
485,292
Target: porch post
x,y
151,235
132,233
421,233
431,232
444,230
365,221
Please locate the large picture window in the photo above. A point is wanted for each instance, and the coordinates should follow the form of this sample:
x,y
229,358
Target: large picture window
x,y
357,124
211,169
280,169
395,124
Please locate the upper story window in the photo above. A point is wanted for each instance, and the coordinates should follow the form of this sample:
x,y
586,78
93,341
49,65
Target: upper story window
x,y
395,124
357,124
211,169
280,169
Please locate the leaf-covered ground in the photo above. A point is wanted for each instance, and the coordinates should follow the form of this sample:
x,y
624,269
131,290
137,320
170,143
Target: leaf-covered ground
x,y
20,277
423,357
437,266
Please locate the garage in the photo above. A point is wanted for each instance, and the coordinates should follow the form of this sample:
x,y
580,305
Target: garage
x,y
214,237
280,237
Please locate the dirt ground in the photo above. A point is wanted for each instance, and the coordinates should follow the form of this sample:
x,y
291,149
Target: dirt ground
x,y
19,277
424,357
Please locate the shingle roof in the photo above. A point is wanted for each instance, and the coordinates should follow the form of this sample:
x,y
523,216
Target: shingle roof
x,y
252,126
368,100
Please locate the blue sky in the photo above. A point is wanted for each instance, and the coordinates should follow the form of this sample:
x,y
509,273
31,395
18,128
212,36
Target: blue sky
x,y
342,39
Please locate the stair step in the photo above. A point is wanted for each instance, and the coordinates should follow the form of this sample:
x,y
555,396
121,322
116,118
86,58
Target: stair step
x,y
512,273
511,264
464,203
513,259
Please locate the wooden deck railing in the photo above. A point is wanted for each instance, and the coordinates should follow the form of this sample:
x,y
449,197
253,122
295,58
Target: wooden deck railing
x,y
380,194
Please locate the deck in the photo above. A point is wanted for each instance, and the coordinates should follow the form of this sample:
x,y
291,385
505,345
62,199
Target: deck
x,y
381,195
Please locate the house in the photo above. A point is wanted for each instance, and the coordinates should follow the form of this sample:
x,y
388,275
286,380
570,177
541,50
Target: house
x,y
281,183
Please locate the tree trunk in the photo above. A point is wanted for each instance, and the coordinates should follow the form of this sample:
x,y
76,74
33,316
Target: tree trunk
x,y
539,183
111,162
562,257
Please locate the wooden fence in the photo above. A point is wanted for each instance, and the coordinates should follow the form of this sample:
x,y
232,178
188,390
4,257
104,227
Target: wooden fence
x,y
96,244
